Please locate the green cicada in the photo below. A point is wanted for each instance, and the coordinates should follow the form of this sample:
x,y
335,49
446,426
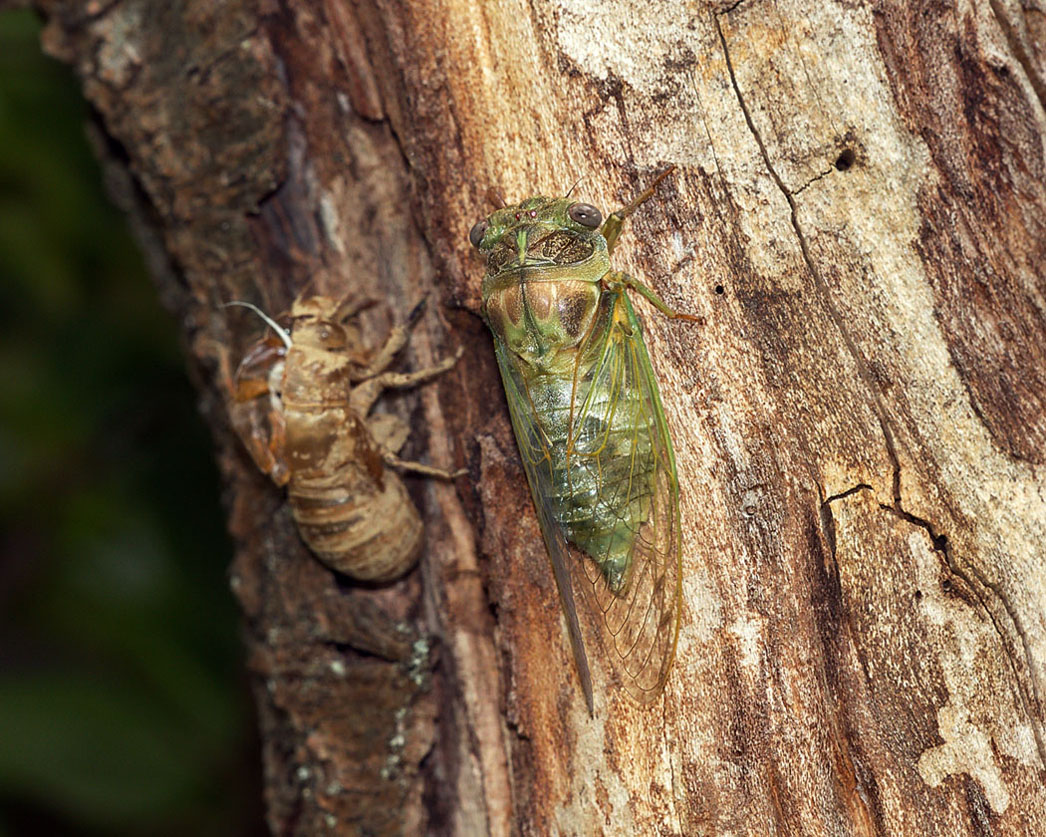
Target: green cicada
x,y
589,423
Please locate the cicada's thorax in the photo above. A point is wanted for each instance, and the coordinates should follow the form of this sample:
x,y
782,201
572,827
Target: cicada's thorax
x,y
350,509
542,293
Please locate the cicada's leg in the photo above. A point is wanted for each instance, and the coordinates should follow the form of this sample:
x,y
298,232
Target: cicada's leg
x,y
419,468
389,431
623,280
394,343
612,226
363,397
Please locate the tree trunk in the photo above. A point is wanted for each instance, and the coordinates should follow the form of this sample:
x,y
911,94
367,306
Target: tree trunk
x,y
858,218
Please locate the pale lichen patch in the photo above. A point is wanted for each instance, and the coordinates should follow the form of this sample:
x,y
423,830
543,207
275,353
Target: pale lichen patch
x,y
973,724
749,635
966,749
331,221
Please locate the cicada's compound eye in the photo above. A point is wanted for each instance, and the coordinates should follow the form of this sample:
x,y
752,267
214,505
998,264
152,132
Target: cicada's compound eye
x,y
585,214
330,335
477,232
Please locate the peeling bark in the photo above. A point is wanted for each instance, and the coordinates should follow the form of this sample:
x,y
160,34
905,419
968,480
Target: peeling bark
x,y
859,218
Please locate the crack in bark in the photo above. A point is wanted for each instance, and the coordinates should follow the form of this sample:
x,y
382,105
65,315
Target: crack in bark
x,y
819,283
814,179
976,584
861,486
940,541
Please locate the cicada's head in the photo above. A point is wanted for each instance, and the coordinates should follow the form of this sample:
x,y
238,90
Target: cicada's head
x,y
545,259
541,238
318,323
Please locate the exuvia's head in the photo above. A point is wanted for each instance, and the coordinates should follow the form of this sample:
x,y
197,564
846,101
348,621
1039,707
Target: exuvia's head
x,y
538,232
320,325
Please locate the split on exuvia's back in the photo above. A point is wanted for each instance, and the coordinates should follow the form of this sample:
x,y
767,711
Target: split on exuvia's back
x,y
590,426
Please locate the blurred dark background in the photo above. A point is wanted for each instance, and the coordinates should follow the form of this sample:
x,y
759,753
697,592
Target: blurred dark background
x,y
123,702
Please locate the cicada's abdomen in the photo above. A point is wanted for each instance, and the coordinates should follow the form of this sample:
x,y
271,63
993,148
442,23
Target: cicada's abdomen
x,y
602,467
351,511
604,488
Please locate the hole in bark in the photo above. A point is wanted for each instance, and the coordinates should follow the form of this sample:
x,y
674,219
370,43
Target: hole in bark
x,y
719,289
918,594
946,585
845,160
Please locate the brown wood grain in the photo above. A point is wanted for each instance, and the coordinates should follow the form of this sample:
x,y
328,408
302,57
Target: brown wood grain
x,y
857,217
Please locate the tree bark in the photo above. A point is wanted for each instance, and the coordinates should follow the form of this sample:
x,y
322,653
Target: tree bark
x,y
858,218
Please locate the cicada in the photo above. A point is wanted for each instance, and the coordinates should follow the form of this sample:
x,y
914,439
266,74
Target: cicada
x,y
590,426
313,434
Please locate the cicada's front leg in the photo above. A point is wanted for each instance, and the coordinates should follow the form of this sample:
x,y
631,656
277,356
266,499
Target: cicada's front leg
x,y
611,229
616,279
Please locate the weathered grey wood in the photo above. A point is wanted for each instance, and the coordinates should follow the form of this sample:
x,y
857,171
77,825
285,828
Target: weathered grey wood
x,y
858,218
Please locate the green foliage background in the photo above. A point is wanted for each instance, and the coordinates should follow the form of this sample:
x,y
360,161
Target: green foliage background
x,y
123,706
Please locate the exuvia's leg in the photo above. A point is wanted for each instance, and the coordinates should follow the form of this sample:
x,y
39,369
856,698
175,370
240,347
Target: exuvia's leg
x,y
419,468
389,431
351,305
363,397
396,340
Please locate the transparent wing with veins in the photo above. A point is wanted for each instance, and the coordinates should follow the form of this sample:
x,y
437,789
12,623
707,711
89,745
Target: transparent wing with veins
x,y
618,444
630,460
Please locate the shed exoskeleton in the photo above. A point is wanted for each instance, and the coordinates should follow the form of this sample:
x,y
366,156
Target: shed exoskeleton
x,y
302,406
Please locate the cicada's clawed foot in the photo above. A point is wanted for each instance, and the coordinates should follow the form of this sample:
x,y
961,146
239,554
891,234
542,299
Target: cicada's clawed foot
x,y
364,396
420,468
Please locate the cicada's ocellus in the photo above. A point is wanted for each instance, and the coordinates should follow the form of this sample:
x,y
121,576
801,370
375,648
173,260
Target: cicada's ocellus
x,y
590,426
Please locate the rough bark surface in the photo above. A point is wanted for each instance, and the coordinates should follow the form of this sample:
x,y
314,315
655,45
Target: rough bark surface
x,y
858,217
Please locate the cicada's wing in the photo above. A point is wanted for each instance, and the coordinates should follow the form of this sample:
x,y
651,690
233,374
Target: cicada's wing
x,y
620,443
255,411
537,459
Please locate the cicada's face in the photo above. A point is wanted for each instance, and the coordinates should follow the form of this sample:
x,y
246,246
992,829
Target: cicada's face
x,y
317,324
533,238
545,259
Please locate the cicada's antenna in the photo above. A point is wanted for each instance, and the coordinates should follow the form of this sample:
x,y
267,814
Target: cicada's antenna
x,y
572,188
283,335
495,197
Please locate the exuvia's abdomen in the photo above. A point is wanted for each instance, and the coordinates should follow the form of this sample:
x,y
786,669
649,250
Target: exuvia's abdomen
x,y
354,513
374,535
